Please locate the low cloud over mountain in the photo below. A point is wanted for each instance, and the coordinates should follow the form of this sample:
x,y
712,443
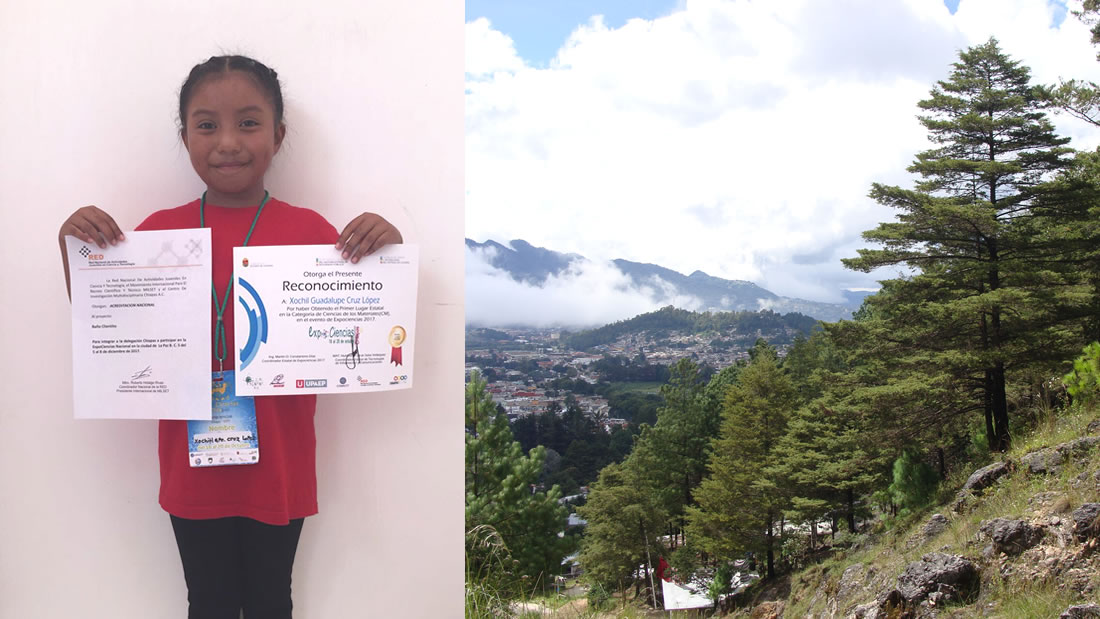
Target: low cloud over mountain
x,y
520,284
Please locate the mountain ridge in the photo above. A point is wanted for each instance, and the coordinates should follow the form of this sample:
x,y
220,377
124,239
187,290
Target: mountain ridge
x,y
529,264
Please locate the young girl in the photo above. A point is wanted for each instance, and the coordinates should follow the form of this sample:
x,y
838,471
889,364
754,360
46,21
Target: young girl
x,y
237,527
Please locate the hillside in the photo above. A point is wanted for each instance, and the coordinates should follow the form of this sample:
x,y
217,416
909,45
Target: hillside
x,y
533,265
1016,538
776,328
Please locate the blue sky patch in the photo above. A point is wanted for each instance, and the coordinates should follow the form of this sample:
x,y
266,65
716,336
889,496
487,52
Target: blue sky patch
x,y
539,29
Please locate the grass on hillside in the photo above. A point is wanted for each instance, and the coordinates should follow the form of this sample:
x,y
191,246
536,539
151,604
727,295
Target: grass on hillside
x,y
1009,498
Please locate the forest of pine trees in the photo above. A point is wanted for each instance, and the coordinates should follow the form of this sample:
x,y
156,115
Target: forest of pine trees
x,y
999,242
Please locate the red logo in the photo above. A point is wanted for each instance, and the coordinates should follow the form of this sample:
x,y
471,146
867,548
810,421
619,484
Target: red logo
x,y
299,383
244,262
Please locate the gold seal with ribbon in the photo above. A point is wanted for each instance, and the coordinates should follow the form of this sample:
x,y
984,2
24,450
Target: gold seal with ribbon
x,y
396,338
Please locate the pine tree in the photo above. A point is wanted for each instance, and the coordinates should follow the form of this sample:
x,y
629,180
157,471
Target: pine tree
x,y
624,520
739,502
500,491
963,227
830,459
673,454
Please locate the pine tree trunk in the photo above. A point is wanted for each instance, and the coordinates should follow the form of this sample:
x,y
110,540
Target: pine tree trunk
x,y
1000,408
771,551
649,566
987,401
851,497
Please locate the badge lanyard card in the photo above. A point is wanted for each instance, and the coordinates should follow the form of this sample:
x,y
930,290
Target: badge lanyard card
x,y
230,437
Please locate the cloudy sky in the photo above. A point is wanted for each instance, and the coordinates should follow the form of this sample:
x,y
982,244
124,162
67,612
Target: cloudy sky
x,y
735,137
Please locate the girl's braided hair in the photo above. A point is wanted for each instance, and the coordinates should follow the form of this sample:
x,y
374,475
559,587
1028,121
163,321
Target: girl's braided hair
x,y
265,78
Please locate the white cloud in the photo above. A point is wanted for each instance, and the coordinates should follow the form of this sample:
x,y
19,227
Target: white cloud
x,y
489,51
736,137
589,293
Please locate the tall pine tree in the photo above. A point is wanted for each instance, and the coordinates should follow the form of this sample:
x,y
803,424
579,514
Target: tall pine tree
x,y
624,521
960,227
739,502
500,491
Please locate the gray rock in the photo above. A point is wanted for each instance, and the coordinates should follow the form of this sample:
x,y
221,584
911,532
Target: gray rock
x,y
1010,536
1078,447
1042,462
851,582
1084,521
1093,427
935,525
1049,460
867,611
1081,611
984,477
951,575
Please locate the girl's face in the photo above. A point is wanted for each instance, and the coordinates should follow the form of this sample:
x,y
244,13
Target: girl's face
x,y
231,136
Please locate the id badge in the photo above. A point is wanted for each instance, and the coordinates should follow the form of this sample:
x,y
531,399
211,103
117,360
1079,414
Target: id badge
x,y
230,436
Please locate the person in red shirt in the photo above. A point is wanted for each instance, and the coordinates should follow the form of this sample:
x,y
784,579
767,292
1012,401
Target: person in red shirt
x,y
237,527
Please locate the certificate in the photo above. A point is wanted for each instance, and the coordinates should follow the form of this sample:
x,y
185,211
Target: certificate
x,y
141,326
308,321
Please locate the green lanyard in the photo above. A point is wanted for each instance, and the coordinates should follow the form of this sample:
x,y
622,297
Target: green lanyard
x,y
219,328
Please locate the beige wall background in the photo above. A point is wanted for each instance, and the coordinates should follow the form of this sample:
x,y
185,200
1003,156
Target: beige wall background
x,y
88,98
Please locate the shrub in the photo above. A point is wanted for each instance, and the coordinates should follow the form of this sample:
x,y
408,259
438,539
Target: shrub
x,y
1083,383
914,481
599,597
723,580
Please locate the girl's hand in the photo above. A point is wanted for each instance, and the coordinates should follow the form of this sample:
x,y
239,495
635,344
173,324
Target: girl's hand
x,y
91,225
365,235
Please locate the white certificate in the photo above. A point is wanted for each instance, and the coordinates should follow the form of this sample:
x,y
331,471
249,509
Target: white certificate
x,y
141,326
308,321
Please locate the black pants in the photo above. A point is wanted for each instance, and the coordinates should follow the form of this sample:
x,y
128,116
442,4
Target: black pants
x,y
237,563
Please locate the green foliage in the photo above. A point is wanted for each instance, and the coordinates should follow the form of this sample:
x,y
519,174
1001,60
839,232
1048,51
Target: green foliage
x,y
499,483
722,582
984,297
685,559
740,498
623,520
794,550
914,483
1083,383
664,321
673,454
599,598
490,580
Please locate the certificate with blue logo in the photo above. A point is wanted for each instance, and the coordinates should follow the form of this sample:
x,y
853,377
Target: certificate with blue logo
x,y
230,436
308,321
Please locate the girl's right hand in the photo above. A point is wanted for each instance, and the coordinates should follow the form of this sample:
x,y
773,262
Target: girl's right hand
x,y
91,225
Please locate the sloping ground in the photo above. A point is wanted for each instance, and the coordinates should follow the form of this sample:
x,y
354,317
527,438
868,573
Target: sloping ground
x,y
1021,542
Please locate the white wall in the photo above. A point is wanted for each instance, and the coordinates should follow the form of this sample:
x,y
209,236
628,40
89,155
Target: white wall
x,y
87,116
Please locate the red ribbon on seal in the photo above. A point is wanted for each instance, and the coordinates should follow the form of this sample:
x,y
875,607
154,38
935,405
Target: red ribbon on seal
x,y
395,355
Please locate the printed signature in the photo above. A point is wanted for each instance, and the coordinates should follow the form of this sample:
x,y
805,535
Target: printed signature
x,y
146,373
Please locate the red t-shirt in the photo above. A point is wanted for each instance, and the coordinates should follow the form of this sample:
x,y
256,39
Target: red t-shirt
x,y
283,485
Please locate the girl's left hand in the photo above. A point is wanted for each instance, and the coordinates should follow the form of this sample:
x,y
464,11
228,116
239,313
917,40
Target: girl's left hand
x,y
365,235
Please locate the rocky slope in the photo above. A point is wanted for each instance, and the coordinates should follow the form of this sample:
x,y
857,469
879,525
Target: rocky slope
x,y
1018,540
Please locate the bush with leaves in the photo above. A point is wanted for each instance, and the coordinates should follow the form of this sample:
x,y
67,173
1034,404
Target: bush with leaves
x,y
599,598
914,481
1083,383
722,582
